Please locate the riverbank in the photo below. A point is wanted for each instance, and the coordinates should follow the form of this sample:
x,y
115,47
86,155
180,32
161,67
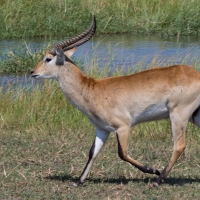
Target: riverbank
x,y
34,18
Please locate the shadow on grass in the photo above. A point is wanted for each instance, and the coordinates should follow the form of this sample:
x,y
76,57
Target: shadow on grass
x,y
123,180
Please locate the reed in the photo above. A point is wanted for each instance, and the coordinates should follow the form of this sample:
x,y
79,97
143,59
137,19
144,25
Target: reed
x,y
43,105
25,19
19,61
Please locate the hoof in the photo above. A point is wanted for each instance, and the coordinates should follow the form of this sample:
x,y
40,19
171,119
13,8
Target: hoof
x,y
155,184
158,181
75,184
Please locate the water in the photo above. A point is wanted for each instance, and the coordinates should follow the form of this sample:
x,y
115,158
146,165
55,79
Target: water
x,y
125,51
116,51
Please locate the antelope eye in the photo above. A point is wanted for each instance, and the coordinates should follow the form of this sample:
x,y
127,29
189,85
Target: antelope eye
x,y
47,60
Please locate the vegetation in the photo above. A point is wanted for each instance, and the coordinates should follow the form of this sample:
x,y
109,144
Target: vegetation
x,y
46,150
45,143
44,140
19,61
58,18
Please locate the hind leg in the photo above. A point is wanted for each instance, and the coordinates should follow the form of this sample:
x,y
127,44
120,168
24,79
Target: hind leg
x,y
178,130
123,138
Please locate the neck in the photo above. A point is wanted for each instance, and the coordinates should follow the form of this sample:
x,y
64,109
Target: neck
x,y
76,87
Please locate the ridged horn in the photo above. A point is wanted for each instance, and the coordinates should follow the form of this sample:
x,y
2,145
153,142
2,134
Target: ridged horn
x,y
78,40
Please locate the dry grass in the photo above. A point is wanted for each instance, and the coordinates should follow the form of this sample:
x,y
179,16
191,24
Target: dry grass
x,y
40,164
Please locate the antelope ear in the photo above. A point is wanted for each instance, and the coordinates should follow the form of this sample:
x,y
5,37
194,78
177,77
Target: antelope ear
x,y
70,52
60,57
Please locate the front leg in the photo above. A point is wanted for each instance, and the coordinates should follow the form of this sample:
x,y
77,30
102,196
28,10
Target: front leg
x,y
101,138
123,138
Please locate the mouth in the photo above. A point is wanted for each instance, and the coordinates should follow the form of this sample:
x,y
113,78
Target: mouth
x,y
35,75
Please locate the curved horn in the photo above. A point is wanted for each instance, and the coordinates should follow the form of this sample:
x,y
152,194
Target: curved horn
x,y
81,41
78,40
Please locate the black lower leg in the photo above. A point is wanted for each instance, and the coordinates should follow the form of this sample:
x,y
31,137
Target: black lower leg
x,y
89,160
144,169
149,170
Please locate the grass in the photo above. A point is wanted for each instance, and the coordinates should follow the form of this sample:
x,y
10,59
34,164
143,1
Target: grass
x,y
25,19
44,106
44,145
19,61
44,141
42,163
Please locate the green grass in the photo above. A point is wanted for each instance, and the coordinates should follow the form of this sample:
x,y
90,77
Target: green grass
x,y
44,145
19,63
42,107
61,18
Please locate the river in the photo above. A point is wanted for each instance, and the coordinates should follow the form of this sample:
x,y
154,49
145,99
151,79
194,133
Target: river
x,y
117,51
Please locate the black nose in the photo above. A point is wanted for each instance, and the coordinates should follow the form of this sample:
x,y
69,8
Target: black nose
x,y
32,71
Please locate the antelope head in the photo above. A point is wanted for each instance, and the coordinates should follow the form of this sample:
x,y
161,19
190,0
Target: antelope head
x,y
61,53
